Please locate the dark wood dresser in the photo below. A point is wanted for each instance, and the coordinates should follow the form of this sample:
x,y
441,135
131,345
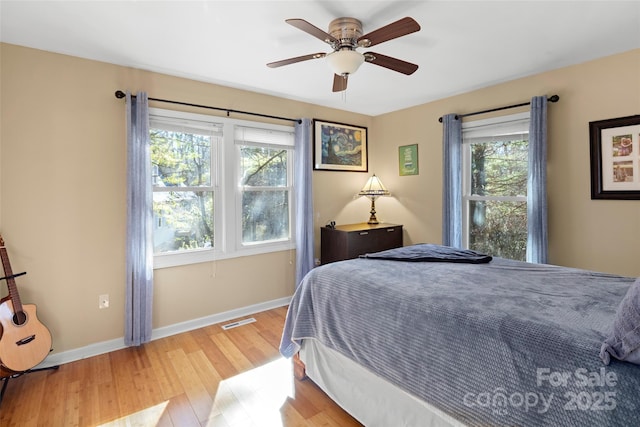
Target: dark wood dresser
x,y
352,240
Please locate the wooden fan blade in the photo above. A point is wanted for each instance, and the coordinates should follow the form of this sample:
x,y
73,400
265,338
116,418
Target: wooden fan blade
x,y
296,59
390,63
340,83
308,28
400,28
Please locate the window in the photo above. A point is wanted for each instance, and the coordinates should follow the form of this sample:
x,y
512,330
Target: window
x,y
495,172
221,187
183,163
265,185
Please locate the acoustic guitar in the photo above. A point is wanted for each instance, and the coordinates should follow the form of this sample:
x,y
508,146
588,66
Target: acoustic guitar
x,y
25,341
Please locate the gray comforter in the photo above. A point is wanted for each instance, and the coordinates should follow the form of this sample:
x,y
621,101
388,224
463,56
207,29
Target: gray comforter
x,y
504,343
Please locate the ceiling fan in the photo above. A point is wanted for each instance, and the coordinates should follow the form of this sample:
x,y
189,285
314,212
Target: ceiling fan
x,y
345,37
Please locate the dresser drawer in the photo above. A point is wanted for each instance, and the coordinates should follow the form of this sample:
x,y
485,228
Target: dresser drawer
x,y
352,240
368,241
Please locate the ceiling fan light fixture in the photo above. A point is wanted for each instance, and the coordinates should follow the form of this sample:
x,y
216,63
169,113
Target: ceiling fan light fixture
x,y
345,36
345,61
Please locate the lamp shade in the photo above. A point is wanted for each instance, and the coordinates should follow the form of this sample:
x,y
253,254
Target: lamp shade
x,y
374,188
345,61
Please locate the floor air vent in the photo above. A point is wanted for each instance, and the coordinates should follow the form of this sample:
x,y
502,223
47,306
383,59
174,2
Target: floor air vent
x,y
238,323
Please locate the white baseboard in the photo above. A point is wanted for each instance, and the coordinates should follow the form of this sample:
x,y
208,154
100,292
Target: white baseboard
x,y
117,344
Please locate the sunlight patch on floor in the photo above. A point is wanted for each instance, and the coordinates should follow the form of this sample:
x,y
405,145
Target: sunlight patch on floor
x,y
254,398
145,418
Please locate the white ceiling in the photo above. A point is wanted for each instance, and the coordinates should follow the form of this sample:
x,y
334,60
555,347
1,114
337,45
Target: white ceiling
x,y
463,45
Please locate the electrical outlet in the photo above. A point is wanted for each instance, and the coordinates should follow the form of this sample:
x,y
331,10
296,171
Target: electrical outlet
x,y
103,301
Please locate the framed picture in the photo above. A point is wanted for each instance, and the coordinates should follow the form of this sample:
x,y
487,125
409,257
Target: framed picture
x,y
339,147
408,159
615,158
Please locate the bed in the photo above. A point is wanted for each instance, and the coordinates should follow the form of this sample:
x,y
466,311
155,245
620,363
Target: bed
x,y
411,337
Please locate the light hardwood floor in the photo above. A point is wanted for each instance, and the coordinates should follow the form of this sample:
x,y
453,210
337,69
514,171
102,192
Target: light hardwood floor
x,y
206,377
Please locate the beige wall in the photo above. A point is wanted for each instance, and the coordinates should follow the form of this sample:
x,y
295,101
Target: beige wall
x,y
63,201
62,184
592,234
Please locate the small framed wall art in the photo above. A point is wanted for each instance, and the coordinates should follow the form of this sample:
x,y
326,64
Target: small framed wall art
x,y
408,159
339,147
615,158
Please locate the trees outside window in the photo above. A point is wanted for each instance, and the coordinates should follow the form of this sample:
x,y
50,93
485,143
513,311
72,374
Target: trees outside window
x,y
497,203
495,172
182,190
265,194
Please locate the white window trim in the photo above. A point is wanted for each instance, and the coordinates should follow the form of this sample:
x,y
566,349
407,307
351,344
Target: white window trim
x,y
473,132
227,226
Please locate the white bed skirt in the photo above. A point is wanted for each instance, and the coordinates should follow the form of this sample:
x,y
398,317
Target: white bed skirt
x,y
368,398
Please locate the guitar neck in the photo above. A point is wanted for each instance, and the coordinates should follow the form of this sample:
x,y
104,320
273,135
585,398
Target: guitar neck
x,y
11,282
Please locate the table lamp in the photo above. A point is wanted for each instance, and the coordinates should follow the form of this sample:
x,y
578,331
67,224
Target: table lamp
x,y
373,189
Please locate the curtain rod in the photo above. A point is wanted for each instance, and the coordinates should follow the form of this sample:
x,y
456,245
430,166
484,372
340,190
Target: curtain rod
x,y
553,98
120,94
